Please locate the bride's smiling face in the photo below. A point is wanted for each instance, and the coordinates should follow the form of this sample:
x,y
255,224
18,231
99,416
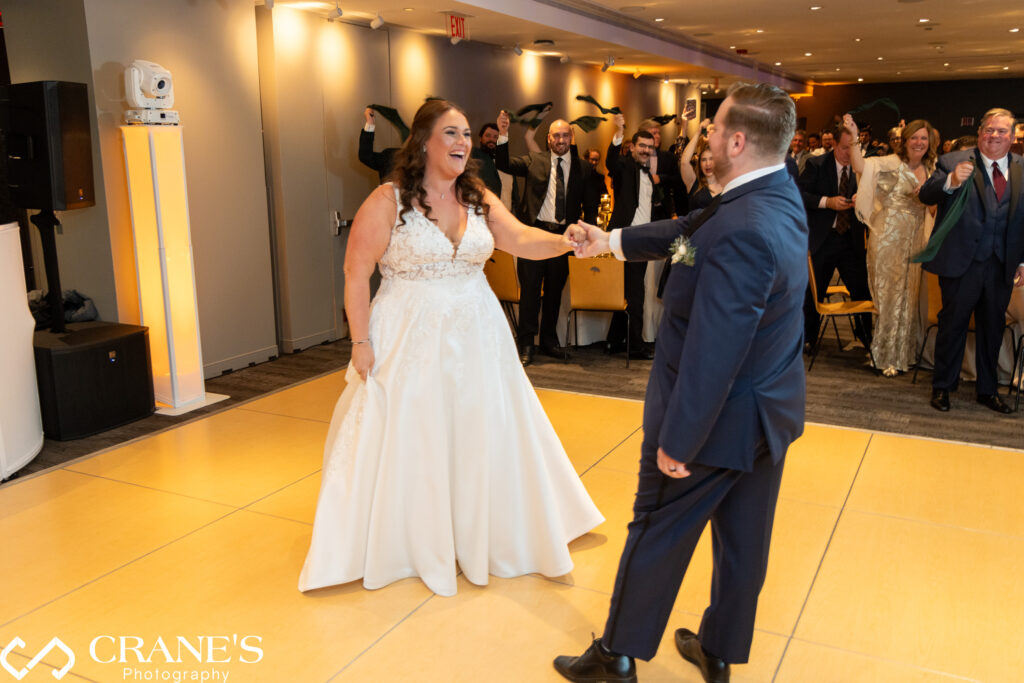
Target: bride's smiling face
x,y
449,144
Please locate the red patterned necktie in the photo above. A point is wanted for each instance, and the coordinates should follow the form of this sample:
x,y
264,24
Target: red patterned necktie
x,y
998,181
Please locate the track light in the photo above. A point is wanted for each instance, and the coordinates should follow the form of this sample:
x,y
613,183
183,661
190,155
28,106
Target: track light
x,y
564,59
636,74
608,63
377,22
269,4
337,10
456,40
518,50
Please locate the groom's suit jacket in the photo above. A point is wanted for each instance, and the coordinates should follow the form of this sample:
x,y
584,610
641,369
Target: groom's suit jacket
x,y
728,368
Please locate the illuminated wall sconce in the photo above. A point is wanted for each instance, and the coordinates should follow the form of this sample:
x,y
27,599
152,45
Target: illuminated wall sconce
x,y
155,163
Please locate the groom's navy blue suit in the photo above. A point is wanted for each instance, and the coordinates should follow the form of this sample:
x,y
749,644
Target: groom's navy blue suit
x,y
726,397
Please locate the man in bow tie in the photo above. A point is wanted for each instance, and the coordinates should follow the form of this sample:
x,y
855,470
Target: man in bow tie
x,y
635,191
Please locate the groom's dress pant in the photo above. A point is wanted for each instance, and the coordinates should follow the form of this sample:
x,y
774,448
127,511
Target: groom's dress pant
x,y
669,516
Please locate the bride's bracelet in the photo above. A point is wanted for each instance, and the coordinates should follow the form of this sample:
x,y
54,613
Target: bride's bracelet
x,y
364,341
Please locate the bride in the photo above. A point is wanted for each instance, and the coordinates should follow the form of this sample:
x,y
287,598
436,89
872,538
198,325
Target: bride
x,y
439,452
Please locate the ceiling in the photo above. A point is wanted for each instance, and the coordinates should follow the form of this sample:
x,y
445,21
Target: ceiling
x,y
786,42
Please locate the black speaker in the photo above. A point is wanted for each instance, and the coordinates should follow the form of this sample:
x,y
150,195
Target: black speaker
x,y
49,146
95,377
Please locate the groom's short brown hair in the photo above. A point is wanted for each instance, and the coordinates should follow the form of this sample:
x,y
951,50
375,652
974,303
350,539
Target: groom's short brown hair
x,y
765,113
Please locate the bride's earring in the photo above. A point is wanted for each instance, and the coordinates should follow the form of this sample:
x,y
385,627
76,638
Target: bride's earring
x,y
424,148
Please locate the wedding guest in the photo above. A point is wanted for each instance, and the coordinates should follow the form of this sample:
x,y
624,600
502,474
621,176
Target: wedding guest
x,y
897,223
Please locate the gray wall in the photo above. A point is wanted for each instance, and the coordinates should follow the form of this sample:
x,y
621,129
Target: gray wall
x,y
210,48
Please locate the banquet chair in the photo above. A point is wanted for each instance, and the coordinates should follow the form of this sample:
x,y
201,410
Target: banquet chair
x,y
500,270
596,284
830,310
934,306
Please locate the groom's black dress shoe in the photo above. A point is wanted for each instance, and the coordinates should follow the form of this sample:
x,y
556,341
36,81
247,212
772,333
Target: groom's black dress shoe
x,y
596,665
940,399
713,669
993,402
526,354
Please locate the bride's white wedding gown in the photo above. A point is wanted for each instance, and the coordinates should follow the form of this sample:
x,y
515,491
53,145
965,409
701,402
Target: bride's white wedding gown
x,y
444,455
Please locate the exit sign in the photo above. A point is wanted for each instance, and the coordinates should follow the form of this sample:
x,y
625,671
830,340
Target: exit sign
x,y
456,26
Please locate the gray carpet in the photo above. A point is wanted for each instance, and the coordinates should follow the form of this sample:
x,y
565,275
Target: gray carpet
x,y
841,390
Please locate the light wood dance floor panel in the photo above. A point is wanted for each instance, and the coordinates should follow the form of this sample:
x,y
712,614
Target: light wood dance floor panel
x,y
893,559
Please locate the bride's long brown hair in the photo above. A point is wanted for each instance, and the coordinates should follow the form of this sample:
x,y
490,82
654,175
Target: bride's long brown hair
x,y
411,164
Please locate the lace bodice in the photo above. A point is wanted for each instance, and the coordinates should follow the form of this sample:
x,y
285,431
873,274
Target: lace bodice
x,y
418,250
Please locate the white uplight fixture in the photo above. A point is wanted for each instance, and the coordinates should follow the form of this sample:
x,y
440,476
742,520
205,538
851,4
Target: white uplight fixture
x,y
377,22
158,200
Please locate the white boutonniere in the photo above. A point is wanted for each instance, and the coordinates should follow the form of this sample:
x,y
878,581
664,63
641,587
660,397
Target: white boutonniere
x,y
682,251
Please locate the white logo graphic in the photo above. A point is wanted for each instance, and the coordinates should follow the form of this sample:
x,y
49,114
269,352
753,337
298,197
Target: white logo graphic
x,y
21,673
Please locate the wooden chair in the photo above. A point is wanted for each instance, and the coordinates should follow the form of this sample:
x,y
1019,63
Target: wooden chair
x,y
596,284
830,310
500,270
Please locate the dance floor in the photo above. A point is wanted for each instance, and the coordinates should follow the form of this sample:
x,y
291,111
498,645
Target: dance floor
x,y
893,559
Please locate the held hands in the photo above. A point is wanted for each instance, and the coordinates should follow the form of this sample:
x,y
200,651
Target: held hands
x,y
503,122
961,173
362,359
594,243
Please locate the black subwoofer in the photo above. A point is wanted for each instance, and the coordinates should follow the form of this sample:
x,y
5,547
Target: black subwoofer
x,y
94,377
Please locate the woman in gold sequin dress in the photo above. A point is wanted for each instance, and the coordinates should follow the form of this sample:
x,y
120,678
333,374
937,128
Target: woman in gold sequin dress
x,y
899,225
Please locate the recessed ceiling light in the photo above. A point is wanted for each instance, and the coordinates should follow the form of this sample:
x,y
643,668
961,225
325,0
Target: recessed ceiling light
x,y
881,58
856,40
659,19
760,30
923,21
1006,68
732,47
837,68
945,64
778,63
815,8
860,80
1014,30
898,73
408,9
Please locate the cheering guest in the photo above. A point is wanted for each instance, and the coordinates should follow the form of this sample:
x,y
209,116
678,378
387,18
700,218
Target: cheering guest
x,y
383,161
976,254
898,222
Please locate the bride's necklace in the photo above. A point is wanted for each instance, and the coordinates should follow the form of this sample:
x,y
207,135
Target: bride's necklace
x,y
442,195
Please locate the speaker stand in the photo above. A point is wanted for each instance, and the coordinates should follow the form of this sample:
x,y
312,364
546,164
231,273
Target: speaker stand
x,y
46,221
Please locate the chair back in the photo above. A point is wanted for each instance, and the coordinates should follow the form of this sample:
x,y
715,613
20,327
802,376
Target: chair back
x,y
500,270
597,284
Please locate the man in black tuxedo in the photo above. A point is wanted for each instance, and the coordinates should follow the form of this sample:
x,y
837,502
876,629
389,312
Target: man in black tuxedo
x,y
724,401
634,203
383,161
554,195
669,196
827,184
979,261
485,154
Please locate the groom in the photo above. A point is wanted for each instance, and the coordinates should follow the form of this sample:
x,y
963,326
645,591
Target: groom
x,y
724,400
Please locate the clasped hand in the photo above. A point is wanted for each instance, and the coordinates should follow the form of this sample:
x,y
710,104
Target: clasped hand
x,y
587,240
